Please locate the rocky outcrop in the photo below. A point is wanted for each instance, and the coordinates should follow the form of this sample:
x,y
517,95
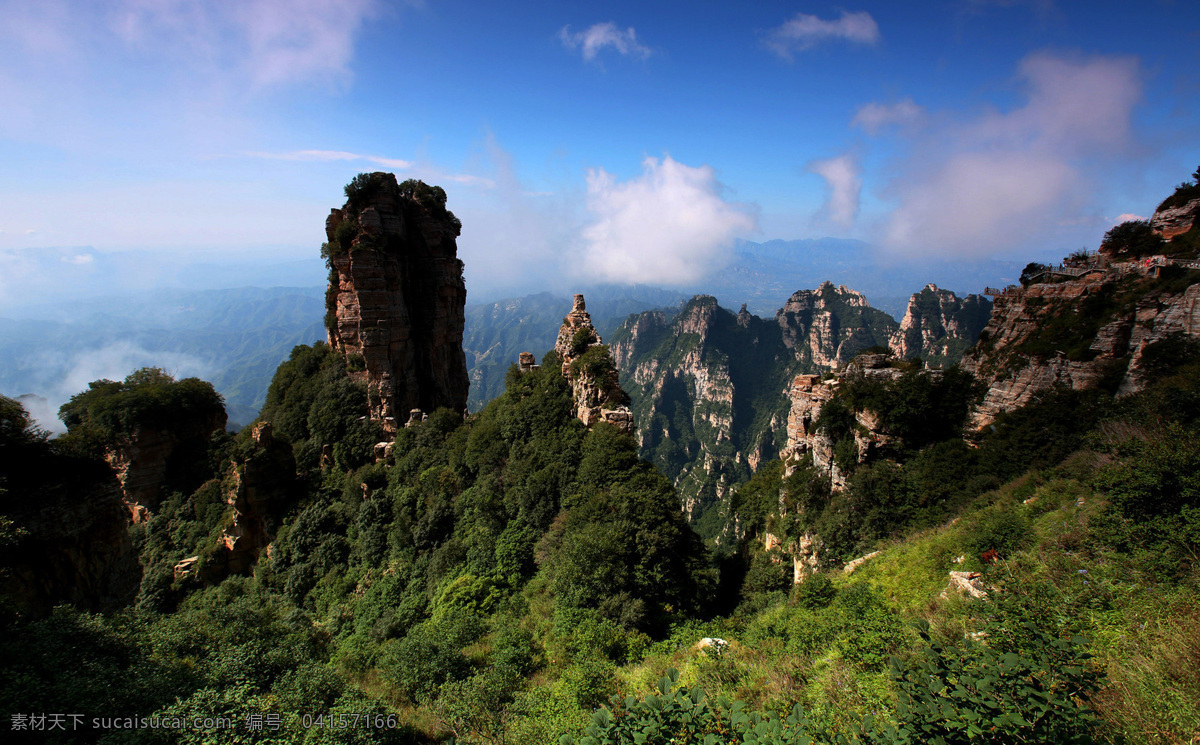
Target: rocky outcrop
x,y
808,395
257,486
827,326
939,326
1076,334
693,379
711,388
1174,221
587,365
396,298
143,460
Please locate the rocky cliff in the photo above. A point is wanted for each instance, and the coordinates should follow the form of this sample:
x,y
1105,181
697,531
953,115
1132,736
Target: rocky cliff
x,y
258,484
588,366
144,459
808,395
396,297
827,326
938,326
710,388
1176,220
1082,333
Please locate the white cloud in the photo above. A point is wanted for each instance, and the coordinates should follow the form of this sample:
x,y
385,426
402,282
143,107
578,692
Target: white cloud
x,y
1127,217
594,39
668,226
806,31
269,41
876,116
843,176
78,259
1001,180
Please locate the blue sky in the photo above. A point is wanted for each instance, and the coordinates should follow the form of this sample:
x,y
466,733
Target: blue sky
x,y
617,141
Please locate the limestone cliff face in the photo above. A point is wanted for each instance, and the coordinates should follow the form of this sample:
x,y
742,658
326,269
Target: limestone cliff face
x,y
706,386
710,388
808,395
826,327
73,545
939,326
1077,334
586,364
396,298
143,460
257,486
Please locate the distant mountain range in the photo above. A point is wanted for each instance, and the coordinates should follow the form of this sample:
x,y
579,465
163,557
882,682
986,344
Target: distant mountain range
x,y
236,337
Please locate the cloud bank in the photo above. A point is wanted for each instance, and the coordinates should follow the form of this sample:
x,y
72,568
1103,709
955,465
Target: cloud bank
x,y
807,31
601,35
993,183
670,225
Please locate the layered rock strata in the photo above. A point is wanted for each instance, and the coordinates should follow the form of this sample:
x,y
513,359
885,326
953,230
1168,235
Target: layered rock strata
x,y
1016,362
396,301
586,364
143,460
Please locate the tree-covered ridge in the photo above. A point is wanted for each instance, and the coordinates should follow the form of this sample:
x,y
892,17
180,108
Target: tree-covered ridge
x,y
149,398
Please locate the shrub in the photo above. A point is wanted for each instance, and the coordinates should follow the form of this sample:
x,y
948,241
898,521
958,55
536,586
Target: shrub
x,y
816,592
1000,691
1004,531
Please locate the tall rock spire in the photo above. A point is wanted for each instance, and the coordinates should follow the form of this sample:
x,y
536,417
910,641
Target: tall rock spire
x,y
589,368
396,297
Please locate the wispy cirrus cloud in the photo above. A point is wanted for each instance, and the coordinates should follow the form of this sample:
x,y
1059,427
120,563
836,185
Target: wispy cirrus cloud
x,y
593,40
270,42
327,156
805,31
670,225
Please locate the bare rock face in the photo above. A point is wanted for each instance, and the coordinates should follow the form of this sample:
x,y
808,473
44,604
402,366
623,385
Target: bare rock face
x,y
809,394
587,366
73,545
1175,221
939,326
1017,358
256,488
827,326
143,460
396,299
